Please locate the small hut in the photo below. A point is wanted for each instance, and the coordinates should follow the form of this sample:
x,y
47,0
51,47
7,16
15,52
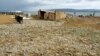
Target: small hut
x,y
56,15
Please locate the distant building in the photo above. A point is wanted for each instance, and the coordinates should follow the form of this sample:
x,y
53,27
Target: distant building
x,y
11,13
56,15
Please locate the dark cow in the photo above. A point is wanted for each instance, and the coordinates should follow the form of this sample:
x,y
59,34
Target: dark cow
x,y
19,19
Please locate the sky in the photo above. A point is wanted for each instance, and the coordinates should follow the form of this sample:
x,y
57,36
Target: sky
x,y
30,5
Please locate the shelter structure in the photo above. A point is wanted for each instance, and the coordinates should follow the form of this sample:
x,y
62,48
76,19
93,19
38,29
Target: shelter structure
x,y
56,15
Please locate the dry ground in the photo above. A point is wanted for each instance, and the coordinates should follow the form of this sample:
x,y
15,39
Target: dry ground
x,y
87,22
6,19
49,38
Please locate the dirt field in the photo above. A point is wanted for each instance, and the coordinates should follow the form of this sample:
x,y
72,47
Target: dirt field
x,y
87,22
6,19
50,38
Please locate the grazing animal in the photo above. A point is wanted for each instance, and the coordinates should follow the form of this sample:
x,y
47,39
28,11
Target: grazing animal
x,y
19,19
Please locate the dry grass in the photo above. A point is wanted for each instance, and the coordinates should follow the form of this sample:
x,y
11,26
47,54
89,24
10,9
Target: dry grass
x,y
6,19
50,38
87,22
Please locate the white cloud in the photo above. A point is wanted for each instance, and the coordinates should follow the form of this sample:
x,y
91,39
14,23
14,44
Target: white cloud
x,y
30,1
76,4
50,4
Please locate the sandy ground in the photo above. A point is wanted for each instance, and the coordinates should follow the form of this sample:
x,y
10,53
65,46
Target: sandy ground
x,y
6,19
48,38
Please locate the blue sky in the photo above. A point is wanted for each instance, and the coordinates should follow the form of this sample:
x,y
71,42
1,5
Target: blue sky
x,y
30,5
